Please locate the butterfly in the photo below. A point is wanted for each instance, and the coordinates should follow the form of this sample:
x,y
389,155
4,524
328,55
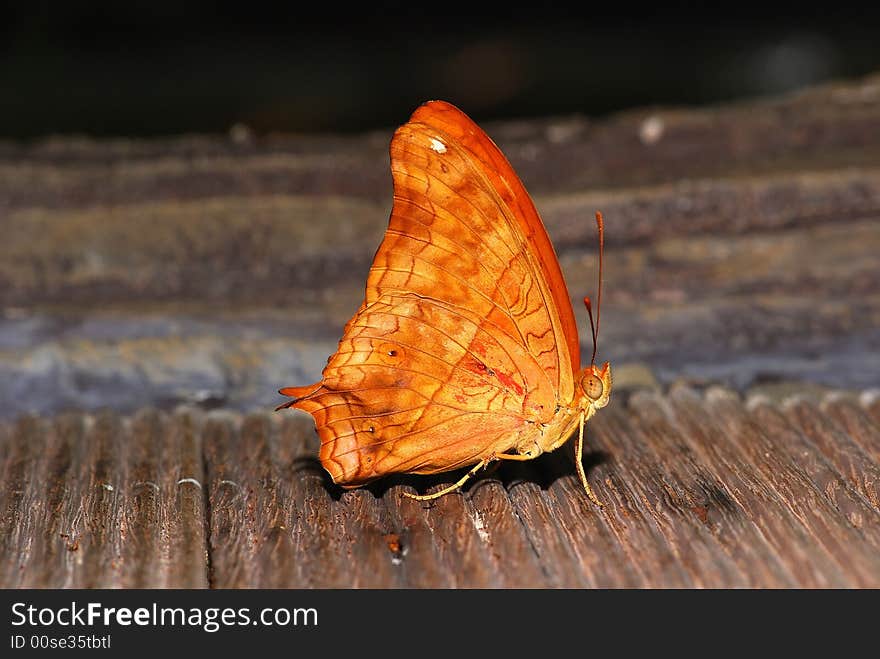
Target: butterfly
x,y
465,350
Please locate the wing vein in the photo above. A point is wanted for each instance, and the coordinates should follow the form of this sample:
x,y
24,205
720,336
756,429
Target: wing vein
x,y
513,230
410,433
451,308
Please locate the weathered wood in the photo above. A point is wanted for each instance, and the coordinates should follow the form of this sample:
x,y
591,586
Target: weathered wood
x,y
781,459
457,545
184,483
314,525
828,127
718,492
872,403
662,488
845,456
505,539
89,504
272,519
599,540
743,511
142,506
419,563
857,421
551,544
700,490
742,248
21,482
243,518
365,537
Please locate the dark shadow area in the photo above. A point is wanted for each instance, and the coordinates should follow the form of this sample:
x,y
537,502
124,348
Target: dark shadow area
x,y
162,68
550,467
420,484
544,470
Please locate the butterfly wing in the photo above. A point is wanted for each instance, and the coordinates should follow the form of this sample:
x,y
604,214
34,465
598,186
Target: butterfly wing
x,y
466,335
533,242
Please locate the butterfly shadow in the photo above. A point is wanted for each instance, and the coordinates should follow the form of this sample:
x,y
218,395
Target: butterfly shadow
x,y
544,471
548,468
310,467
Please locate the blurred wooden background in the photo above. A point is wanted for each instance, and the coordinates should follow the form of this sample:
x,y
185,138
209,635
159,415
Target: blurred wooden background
x,y
155,294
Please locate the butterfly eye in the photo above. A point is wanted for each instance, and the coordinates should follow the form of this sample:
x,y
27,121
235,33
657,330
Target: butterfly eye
x,y
592,386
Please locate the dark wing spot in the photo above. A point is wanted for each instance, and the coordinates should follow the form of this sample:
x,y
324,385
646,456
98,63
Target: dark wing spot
x,y
389,353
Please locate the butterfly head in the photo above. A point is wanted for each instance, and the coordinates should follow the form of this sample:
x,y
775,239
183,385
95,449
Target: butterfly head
x,y
595,384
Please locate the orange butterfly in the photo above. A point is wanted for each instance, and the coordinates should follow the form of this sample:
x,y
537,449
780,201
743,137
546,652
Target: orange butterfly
x,y
465,349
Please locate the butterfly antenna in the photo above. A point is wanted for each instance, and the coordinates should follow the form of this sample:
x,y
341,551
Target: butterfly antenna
x,y
594,327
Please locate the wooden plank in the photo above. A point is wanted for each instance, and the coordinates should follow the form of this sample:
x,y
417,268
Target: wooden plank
x,y
456,544
721,439
274,524
676,492
846,456
786,463
21,497
420,566
856,418
837,514
306,509
700,490
55,545
550,541
274,240
238,472
100,509
372,550
312,520
602,541
832,126
505,539
92,516
184,516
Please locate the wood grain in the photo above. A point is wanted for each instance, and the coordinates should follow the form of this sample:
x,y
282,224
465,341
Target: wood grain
x,y
701,489
741,249
103,502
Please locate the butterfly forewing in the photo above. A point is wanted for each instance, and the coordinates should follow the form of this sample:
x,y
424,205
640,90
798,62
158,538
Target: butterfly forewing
x,y
491,164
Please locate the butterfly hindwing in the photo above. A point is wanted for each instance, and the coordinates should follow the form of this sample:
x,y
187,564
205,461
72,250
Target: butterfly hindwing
x,y
407,386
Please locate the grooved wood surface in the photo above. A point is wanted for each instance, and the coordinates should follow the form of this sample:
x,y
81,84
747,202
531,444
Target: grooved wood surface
x,y
701,489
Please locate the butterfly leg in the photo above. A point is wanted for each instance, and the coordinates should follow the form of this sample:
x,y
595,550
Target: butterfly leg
x,y
579,464
446,490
